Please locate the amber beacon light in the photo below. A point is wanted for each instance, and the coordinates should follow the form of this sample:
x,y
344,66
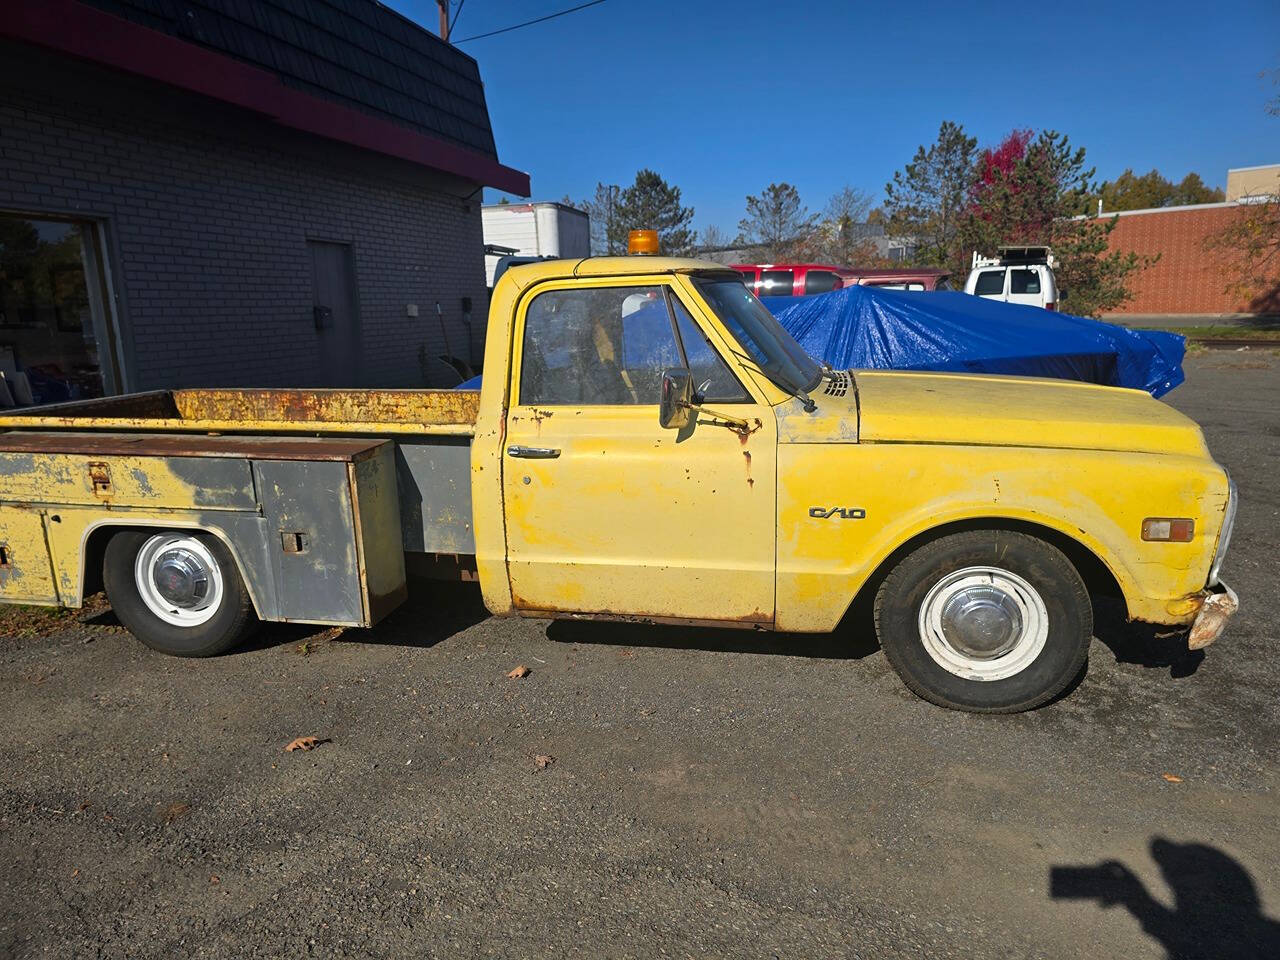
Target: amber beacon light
x,y
642,242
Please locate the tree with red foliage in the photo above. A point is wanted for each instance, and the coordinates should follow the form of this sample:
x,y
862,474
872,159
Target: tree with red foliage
x,y
1038,192
998,162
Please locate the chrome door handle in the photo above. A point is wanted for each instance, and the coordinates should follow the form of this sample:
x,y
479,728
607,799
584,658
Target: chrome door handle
x,y
533,453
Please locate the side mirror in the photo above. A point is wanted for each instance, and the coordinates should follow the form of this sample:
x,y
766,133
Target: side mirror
x,y
676,409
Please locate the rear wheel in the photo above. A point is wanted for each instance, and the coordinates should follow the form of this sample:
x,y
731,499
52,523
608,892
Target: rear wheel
x,y
988,621
177,591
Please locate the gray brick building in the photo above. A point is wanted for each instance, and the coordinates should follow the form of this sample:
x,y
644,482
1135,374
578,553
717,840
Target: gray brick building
x,y
266,193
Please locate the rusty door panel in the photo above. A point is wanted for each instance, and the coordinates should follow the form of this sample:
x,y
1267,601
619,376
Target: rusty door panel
x,y
26,572
631,520
126,481
312,540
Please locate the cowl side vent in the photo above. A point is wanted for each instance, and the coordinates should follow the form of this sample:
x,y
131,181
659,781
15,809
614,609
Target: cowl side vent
x,y
838,385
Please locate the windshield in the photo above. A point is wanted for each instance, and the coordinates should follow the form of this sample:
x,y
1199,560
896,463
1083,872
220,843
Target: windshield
x,y
769,346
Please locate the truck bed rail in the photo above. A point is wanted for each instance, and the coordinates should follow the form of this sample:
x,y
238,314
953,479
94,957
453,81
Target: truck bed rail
x,y
440,412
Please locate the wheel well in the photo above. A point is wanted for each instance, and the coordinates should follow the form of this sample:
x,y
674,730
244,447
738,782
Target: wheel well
x,y
1097,576
95,549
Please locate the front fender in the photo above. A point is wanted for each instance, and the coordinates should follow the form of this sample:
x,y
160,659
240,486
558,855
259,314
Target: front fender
x,y
893,493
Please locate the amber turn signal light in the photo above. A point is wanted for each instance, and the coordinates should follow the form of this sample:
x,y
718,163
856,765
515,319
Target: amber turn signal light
x,y
1169,529
642,242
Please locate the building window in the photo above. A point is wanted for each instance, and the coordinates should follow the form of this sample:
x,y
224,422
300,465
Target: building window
x,y
52,320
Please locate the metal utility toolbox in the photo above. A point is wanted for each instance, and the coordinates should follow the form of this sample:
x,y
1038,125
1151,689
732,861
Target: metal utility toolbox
x,y
314,522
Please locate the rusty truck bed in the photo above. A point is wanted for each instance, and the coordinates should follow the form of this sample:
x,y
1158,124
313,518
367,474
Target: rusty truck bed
x,y
383,412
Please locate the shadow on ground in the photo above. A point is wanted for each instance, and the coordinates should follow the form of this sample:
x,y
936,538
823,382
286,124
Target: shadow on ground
x,y
854,639
433,612
1216,912
1145,644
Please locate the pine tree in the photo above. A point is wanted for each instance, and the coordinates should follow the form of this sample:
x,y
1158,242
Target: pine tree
x,y
927,200
653,204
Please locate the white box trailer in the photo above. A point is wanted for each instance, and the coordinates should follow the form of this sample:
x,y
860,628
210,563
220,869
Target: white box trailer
x,y
534,230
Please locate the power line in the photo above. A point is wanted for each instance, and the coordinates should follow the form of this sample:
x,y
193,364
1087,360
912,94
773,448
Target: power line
x,y
528,23
457,13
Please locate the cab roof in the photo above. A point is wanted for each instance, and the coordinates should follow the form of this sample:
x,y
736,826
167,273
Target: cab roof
x,y
527,273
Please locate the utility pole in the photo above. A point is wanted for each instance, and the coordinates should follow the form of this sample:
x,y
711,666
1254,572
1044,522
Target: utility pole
x,y
444,19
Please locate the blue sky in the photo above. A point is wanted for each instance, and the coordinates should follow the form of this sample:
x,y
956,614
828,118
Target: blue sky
x,y
722,99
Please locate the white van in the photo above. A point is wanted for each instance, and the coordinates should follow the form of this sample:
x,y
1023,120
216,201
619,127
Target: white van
x,y
1017,275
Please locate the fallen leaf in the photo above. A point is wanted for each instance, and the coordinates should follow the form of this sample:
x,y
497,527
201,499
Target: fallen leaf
x,y
75,872
302,743
173,811
1172,777
543,761
214,880
518,672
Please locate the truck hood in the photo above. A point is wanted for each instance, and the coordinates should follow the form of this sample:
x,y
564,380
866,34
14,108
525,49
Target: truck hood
x,y
979,410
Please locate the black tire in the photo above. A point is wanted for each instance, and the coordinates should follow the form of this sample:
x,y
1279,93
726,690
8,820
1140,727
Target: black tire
x,y
231,623
1039,564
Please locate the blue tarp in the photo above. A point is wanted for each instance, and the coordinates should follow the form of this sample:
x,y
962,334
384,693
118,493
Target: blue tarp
x,y
866,328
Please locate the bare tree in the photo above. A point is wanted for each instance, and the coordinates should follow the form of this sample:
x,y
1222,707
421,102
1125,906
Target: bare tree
x,y
842,236
607,237
713,238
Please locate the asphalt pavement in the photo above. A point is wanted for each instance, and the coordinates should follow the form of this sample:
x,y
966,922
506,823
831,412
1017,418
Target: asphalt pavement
x,y
648,792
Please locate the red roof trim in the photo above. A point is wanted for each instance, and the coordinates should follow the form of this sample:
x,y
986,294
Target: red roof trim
x,y
89,34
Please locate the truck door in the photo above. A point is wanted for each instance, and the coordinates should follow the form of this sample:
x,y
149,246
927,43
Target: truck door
x,y
607,512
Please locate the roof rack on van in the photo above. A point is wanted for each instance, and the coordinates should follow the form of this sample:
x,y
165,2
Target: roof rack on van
x,y
1013,254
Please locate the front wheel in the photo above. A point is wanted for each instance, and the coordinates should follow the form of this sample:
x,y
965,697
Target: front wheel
x,y
988,621
177,591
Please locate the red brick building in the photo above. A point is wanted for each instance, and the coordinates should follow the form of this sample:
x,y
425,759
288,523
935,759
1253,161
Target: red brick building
x,y
1188,280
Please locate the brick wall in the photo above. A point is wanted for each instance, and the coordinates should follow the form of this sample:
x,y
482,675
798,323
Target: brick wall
x,y
208,212
1188,279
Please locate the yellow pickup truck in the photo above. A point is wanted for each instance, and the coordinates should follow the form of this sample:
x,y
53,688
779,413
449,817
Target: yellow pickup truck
x,y
648,444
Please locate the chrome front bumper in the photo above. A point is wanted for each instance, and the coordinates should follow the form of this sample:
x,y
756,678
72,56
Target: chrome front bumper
x,y
1219,607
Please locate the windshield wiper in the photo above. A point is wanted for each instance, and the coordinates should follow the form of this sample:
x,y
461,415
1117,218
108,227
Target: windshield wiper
x,y
780,381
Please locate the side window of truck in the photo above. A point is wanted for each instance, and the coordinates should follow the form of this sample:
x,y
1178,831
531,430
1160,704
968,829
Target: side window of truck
x,y
990,282
819,281
711,378
597,345
776,283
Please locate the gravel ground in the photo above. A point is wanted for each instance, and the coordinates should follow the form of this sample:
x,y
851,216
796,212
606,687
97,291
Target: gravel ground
x,y
710,793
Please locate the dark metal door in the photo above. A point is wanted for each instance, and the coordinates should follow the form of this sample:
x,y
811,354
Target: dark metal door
x,y
337,319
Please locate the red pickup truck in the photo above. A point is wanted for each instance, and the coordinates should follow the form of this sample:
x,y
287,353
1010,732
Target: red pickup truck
x,y
800,279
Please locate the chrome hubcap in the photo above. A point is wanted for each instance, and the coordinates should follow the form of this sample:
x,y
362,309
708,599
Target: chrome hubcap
x,y
178,579
983,623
